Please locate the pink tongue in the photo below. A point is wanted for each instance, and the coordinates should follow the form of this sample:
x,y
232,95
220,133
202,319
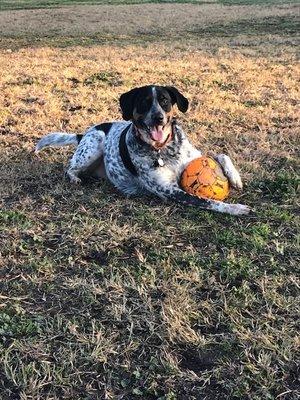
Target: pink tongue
x,y
157,134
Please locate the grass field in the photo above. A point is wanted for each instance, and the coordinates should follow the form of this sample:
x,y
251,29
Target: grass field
x,y
104,297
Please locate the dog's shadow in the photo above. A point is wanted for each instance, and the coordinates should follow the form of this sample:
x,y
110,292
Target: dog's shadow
x,y
34,177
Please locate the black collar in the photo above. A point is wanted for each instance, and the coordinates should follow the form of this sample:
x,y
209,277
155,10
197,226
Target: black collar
x,y
124,153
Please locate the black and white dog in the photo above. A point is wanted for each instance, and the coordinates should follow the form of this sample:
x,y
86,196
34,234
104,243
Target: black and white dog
x,y
145,155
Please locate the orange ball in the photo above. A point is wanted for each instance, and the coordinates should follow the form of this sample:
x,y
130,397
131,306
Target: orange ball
x,y
204,177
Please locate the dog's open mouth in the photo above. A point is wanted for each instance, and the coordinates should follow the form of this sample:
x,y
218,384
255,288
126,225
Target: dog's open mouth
x,y
157,133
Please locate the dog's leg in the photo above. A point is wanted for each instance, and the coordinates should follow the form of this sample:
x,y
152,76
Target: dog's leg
x,y
89,150
230,171
182,197
171,191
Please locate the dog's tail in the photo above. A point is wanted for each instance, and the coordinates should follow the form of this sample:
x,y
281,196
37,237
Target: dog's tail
x,y
58,139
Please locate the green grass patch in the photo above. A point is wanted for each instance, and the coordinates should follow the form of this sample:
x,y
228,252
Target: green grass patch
x,y
14,325
10,218
256,2
32,4
288,25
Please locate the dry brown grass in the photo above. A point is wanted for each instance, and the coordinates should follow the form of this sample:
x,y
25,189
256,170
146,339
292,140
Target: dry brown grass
x,y
104,297
246,106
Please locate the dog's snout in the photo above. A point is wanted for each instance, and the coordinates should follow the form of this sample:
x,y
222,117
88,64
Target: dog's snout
x,y
158,118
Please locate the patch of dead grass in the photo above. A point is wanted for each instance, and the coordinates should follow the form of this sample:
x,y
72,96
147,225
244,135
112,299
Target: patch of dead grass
x,y
242,105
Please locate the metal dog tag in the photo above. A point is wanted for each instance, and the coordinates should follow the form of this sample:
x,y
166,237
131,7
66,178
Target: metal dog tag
x,y
160,162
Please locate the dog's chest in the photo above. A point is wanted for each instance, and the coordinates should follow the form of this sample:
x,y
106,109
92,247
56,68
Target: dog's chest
x,y
163,167
166,165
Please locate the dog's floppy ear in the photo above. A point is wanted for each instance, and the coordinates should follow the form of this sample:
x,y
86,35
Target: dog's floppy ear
x,y
178,98
127,103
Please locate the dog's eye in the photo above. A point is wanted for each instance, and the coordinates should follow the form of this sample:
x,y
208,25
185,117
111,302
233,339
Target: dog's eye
x,y
164,103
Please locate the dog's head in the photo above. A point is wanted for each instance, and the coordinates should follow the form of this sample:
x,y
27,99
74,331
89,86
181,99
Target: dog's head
x,y
151,110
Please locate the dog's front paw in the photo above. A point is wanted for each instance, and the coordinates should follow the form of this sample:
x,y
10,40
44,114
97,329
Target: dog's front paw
x,y
238,209
230,171
235,180
73,178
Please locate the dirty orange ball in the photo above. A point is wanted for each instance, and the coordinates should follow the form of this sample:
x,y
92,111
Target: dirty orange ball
x,y
204,177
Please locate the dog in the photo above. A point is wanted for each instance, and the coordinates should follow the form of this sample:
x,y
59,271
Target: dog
x,y
144,154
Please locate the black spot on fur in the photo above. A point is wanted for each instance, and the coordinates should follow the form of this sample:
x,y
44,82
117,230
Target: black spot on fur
x,y
105,127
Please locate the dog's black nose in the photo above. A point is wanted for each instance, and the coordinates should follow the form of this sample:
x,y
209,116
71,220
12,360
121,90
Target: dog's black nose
x,y
158,119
